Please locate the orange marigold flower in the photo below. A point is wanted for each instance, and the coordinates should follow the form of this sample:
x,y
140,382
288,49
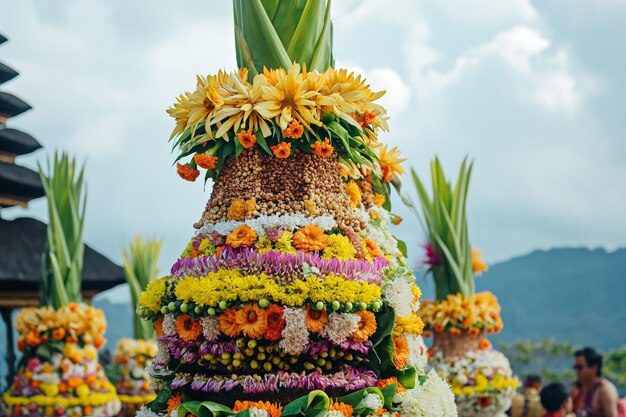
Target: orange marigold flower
x,y
478,265
310,238
228,323
205,161
388,381
237,209
439,327
186,172
366,327
75,381
173,403
323,149
473,331
251,319
273,409
282,150
352,189
400,352
250,205
315,319
455,331
364,119
379,199
484,344
294,130
275,322
58,333
246,138
345,409
187,328
371,248
241,236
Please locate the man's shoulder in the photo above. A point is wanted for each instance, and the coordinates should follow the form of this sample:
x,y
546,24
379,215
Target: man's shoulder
x,y
607,389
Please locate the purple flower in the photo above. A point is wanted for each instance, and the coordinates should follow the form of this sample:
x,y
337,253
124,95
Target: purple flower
x,y
431,259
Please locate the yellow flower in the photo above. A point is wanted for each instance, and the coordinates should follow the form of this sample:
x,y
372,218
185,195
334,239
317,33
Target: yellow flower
x,y
286,97
82,391
352,189
339,247
410,324
311,208
185,288
283,243
478,265
152,296
51,390
390,162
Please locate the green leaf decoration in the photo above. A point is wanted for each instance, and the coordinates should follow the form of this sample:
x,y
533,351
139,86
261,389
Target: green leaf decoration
x,y
204,409
402,246
388,393
160,402
314,404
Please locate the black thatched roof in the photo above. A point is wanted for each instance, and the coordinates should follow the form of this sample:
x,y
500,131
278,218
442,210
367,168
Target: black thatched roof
x,y
16,142
22,243
7,73
20,181
11,106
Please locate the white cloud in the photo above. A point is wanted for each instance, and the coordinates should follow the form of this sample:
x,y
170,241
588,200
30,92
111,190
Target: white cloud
x,y
482,11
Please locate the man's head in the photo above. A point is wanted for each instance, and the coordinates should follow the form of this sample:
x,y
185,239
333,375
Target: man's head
x,y
587,364
554,397
532,381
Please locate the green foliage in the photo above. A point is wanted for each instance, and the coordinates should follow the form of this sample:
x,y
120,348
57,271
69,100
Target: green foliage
x,y
140,266
445,220
615,366
275,34
62,263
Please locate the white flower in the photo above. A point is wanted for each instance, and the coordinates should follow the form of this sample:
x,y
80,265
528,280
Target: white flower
x,y
371,401
340,326
334,413
163,353
399,295
432,399
174,413
145,412
210,327
47,378
169,325
258,412
418,354
295,335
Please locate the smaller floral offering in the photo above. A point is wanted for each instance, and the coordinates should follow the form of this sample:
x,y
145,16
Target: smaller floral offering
x,y
482,381
133,385
60,374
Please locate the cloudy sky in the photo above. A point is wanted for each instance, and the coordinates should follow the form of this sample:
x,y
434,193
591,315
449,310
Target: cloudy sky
x,y
532,91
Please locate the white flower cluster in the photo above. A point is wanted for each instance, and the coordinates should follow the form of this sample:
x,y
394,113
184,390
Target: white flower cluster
x,y
295,334
371,401
418,354
146,412
163,353
258,412
432,399
340,326
399,295
260,224
169,325
334,413
210,327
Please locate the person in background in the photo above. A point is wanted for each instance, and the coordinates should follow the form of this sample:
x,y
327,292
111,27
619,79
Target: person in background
x,y
555,399
528,403
576,394
600,395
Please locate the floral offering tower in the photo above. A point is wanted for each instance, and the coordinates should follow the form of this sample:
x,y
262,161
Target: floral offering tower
x,y
59,374
481,377
292,298
133,355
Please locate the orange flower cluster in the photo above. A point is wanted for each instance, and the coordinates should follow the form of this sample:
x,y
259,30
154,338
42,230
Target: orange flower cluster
x,y
205,161
457,314
246,138
274,410
345,409
323,149
72,323
294,130
282,150
242,236
382,383
310,238
186,172
253,322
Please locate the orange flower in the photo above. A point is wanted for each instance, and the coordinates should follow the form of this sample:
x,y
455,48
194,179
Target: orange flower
x,y
173,403
345,409
75,381
32,339
228,323
473,331
241,236
455,331
366,327
274,410
315,319
388,381
282,150
323,149
87,410
237,209
371,248
205,161
400,352
252,320
396,220
275,322
484,344
20,344
353,190
478,265
58,333
187,328
374,215
158,327
246,138
379,200
310,238
294,130
364,119
439,327
186,172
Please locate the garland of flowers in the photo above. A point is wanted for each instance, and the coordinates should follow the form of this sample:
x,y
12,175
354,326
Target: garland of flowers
x,y
457,314
279,111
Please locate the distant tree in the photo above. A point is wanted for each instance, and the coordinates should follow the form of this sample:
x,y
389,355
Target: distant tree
x,y
615,367
549,358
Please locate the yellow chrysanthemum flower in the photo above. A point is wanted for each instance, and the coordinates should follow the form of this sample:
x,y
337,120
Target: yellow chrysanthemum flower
x,y
339,247
152,296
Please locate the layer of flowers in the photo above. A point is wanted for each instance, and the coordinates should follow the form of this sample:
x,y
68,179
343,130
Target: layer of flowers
x,y
280,265
132,356
322,114
269,224
458,314
225,288
72,323
482,380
